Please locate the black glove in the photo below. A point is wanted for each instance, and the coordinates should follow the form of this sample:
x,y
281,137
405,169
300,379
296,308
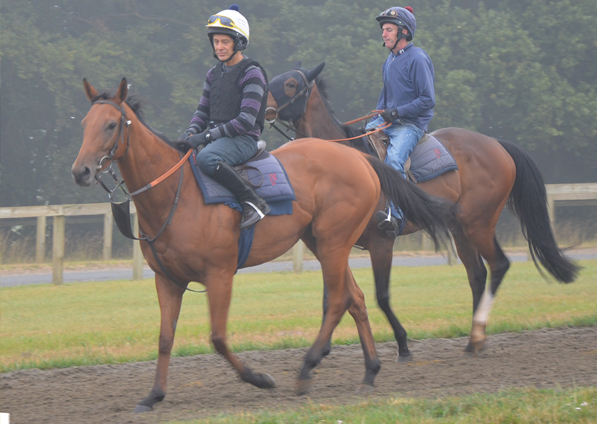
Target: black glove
x,y
193,141
185,135
389,115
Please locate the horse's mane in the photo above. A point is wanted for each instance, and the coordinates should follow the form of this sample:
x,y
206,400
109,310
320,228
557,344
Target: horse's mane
x,y
347,130
136,103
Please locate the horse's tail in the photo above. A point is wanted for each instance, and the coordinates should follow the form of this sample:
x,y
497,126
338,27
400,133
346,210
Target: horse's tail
x,y
432,214
528,201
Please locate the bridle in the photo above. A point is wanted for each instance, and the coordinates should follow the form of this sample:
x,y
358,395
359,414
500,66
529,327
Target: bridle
x,y
121,210
305,91
100,171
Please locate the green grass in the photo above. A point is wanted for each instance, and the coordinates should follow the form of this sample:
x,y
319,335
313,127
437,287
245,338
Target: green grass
x,y
111,322
519,406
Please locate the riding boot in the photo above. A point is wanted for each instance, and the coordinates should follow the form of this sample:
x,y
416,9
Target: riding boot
x,y
254,207
388,223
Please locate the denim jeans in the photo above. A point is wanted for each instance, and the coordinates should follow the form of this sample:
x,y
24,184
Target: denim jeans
x,y
234,151
403,139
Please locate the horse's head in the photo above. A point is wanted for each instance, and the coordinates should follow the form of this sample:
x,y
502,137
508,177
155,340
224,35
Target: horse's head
x,y
289,93
105,133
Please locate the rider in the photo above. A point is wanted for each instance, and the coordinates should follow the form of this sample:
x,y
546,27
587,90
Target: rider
x,y
231,111
407,98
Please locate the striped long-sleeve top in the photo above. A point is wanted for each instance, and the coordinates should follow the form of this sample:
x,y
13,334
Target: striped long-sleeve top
x,y
254,86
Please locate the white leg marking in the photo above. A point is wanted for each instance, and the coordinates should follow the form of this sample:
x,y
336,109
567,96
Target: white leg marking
x,y
482,314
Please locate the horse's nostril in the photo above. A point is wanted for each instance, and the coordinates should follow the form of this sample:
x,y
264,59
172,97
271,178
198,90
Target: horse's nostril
x,y
82,175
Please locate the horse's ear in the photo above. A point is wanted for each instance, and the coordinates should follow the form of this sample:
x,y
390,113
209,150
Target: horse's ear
x,y
312,74
122,91
90,92
297,65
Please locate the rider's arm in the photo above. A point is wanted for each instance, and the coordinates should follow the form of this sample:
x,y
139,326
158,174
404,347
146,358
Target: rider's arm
x,y
421,73
201,116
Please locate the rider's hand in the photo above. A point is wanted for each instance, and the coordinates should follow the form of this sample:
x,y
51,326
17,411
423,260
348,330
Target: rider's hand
x,y
193,141
185,135
389,115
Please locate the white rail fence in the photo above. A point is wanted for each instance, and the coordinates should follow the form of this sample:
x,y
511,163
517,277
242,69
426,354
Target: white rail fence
x,y
557,195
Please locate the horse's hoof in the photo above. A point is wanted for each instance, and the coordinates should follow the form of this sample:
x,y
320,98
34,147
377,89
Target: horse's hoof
x,y
474,348
303,386
267,381
405,358
364,389
142,408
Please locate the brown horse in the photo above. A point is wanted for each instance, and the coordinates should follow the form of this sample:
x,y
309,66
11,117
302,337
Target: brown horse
x,y
336,189
491,173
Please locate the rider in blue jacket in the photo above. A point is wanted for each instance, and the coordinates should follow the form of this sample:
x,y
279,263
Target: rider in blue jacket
x,y
407,98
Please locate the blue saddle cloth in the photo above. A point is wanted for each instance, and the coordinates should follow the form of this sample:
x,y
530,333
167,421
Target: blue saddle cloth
x,y
430,159
269,177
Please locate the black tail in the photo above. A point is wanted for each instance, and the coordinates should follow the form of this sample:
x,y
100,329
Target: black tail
x,y
432,214
528,201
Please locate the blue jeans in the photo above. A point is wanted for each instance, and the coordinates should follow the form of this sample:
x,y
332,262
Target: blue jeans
x,y
233,151
403,139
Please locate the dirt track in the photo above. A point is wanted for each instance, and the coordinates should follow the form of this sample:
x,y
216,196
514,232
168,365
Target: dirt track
x,y
203,385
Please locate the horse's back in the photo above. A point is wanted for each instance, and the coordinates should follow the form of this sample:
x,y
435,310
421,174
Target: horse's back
x,y
486,170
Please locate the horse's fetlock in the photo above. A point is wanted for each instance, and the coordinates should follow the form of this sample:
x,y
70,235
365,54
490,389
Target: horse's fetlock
x,y
219,344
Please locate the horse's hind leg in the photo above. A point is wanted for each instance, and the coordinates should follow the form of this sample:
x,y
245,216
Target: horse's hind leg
x,y
170,299
484,242
358,311
343,294
219,294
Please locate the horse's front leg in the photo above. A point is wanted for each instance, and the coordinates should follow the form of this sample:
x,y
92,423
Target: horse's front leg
x,y
381,250
219,293
170,299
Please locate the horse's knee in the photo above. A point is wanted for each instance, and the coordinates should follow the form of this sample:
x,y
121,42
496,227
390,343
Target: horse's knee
x,y
165,344
383,300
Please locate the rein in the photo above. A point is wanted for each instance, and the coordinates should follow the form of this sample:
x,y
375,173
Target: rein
x,y
121,210
272,123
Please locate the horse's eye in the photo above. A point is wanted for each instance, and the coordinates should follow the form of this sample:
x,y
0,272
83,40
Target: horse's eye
x,y
111,126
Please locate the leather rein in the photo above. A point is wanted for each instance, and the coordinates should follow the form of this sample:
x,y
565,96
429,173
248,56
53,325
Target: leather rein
x,y
121,210
306,91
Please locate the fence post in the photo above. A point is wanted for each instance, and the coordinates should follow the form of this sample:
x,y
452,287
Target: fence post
x,y
108,220
40,240
57,249
137,254
425,242
297,256
452,258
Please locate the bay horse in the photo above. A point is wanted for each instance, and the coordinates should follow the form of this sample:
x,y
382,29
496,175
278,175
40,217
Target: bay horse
x,y
490,174
336,191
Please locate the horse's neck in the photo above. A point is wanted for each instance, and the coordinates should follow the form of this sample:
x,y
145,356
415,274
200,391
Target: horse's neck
x,y
318,121
148,158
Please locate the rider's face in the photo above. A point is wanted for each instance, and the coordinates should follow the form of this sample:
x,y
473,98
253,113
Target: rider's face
x,y
389,33
223,45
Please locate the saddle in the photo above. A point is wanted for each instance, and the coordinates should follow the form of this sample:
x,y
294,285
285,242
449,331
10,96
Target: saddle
x,y
429,158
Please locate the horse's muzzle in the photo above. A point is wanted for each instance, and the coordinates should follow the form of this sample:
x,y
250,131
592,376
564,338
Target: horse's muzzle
x,y
82,175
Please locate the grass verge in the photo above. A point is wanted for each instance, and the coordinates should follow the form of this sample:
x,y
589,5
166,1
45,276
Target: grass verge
x,y
519,406
118,321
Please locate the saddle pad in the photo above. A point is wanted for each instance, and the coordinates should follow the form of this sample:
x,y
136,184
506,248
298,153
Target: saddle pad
x,y
429,160
265,172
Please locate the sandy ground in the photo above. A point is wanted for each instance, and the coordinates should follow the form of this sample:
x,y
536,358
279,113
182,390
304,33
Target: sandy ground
x,y
204,385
